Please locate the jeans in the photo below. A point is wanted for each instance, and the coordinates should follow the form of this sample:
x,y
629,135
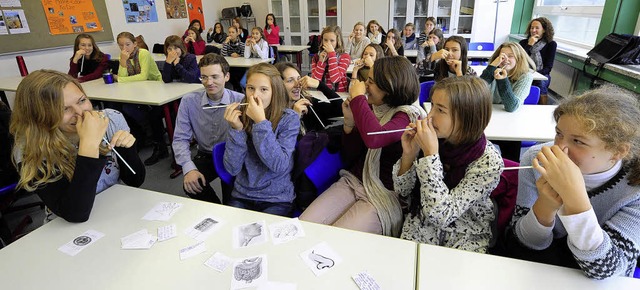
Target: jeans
x,y
277,208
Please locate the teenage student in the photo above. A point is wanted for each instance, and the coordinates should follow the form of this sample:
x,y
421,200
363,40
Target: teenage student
x,y
580,204
88,62
429,24
357,41
362,65
194,24
180,65
256,46
233,46
448,168
194,42
59,149
363,198
427,54
243,33
409,39
393,45
330,64
136,64
216,34
271,30
260,144
207,126
452,59
375,32
541,47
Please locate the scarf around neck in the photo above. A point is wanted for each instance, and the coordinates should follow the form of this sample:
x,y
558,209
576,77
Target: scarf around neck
x,y
535,53
410,38
134,68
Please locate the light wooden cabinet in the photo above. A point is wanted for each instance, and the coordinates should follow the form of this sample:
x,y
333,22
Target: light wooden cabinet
x,y
300,18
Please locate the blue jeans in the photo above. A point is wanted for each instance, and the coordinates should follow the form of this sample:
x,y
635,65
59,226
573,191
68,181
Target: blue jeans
x,y
277,208
543,85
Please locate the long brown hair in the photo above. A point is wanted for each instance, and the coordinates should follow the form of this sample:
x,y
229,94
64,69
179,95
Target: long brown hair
x,y
174,40
338,32
45,152
279,97
96,55
443,68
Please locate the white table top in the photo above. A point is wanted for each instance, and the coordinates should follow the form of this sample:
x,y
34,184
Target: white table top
x,y
411,53
33,262
479,54
291,48
10,84
528,123
233,61
536,75
445,268
320,96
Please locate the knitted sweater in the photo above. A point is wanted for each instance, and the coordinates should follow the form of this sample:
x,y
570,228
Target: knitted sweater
x,y
458,218
616,205
505,92
262,162
355,49
231,47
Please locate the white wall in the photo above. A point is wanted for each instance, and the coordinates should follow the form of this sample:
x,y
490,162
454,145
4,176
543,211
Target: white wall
x,y
154,32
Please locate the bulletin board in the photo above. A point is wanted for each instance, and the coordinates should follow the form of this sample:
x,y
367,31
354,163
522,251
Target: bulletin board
x,y
40,37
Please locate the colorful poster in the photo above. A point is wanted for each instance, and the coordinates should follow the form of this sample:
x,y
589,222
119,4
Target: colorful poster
x,y
140,11
195,11
16,21
3,25
65,17
175,9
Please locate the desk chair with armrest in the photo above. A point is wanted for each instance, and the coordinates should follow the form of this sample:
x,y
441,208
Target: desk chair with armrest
x,y
532,99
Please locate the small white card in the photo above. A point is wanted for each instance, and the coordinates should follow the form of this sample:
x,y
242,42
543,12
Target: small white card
x,y
162,211
249,234
219,262
138,240
192,250
249,272
271,285
321,258
286,231
203,228
79,243
365,281
167,232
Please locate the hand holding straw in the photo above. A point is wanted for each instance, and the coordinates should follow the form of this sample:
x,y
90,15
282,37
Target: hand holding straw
x,y
118,154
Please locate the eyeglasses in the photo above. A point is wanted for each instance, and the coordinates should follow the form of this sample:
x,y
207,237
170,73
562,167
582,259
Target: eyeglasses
x,y
204,78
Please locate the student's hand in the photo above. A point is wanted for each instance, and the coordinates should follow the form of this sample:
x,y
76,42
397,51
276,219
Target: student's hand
x,y
227,40
533,39
124,57
548,203
358,63
499,61
351,36
429,43
301,106
328,48
235,55
255,109
349,121
440,54
171,56
122,139
232,116
210,30
564,176
176,60
309,82
357,88
91,127
410,146
455,65
78,55
389,43
427,138
322,56
500,74
193,182
368,61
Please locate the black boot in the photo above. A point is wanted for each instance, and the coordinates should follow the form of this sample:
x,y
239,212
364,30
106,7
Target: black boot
x,y
159,152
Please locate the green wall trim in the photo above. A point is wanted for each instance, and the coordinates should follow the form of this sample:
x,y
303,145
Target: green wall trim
x,y
521,16
619,16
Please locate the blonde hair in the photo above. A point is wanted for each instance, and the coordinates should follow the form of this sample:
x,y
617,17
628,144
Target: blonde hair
x,y
338,32
612,114
46,153
279,96
524,63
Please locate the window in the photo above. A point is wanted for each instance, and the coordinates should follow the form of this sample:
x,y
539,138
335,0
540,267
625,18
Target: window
x,y
574,21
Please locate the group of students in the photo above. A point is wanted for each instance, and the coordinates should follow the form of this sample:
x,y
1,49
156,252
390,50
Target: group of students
x,y
429,180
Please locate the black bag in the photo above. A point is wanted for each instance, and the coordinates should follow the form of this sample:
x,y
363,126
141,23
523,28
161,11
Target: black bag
x,y
314,42
615,49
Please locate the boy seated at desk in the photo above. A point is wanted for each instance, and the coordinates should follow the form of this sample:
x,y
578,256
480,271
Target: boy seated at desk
x,y
207,125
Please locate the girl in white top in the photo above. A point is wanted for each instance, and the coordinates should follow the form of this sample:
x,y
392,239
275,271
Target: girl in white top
x,y
256,46
375,32
357,41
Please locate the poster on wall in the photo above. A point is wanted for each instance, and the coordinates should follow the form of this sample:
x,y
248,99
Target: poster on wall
x,y
16,21
3,25
140,11
175,9
65,17
195,11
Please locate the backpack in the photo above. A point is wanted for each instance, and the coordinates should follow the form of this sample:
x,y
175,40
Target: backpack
x,y
614,49
314,43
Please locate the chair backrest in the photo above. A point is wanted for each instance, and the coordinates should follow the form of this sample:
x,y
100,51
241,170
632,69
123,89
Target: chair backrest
x,y
218,164
425,90
158,48
324,170
505,195
483,46
533,97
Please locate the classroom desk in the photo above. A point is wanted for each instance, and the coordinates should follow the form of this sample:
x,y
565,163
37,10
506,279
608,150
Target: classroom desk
x,y
411,53
536,75
320,96
33,262
528,123
479,54
160,58
293,49
445,268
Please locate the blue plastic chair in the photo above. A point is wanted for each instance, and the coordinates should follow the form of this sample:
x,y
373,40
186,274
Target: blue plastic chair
x,y
324,170
636,274
532,99
218,164
425,90
480,46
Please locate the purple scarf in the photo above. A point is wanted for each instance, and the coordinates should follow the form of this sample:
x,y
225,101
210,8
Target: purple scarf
x,y
455,160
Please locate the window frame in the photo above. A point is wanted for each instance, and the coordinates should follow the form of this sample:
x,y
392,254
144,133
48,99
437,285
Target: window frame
x,y
566,10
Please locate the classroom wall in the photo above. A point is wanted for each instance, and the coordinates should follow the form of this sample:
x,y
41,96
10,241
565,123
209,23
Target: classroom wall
x,y
58,58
